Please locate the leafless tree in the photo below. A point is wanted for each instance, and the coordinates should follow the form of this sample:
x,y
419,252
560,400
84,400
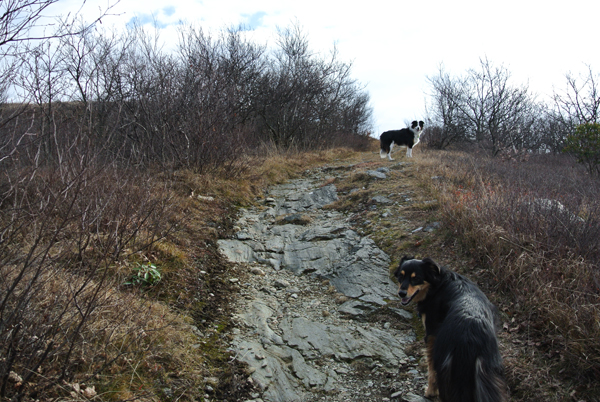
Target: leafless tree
x,y
304,97
25,21
580,102
447,123
483,107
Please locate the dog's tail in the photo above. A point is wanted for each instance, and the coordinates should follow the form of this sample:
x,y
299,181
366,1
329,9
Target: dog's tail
x,y
489,384
461,381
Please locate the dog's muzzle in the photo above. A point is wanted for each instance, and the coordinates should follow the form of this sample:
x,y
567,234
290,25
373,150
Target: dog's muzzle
x,y
405,300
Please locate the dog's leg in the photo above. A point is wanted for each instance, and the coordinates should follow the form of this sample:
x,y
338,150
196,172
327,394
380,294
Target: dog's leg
x,y
390,153
408,152
432,389
382,154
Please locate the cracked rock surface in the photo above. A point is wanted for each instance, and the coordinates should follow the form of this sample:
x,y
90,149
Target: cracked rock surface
x,y
313,321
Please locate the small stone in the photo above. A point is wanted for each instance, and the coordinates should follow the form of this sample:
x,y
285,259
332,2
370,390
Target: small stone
x,y
380,199
14,377
243,236
89,392
281,283
377,175
296,219
214,381
257,271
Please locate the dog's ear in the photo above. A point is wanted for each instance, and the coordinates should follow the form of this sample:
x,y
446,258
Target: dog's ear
x,y
397,269
405,258
421,123
431,269
414,124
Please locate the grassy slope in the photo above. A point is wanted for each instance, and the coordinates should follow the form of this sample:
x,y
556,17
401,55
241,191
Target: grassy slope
x,y
179,331
540,364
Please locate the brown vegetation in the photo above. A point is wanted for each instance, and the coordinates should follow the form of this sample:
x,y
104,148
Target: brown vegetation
x,y
120,166
72,240
533,228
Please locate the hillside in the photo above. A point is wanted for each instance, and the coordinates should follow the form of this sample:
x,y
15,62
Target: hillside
x,y
169,319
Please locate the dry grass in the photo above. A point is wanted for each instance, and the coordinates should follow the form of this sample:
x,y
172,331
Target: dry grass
x,y
92,334
533,228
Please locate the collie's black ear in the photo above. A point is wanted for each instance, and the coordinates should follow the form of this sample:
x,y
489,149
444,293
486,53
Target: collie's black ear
x,y
431,268
414,124
421,123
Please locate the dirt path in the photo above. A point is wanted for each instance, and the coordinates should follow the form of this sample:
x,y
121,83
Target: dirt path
x,y
317,319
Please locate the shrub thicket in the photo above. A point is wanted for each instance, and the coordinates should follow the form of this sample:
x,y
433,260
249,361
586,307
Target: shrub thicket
x,y
97,120
584,143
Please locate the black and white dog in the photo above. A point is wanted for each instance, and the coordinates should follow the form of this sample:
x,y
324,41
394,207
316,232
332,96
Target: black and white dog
x,y
408,137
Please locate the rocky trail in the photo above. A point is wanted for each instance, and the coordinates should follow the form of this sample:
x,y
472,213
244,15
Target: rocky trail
x,y
316,317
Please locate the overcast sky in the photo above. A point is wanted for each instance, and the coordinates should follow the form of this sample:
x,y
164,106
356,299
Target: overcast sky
x,y
395,45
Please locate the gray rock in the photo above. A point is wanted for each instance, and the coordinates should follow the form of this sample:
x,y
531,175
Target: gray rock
x,y
275,380
292,336
380,199
330,340
281,283
433,226
356,309
402,314
256,317
376,174
303,201
236,251
410,397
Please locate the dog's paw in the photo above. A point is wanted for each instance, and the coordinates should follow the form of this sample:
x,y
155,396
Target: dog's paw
x,y
431,392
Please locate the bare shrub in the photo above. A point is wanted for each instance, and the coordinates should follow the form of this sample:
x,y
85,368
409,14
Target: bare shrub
x,y
102,121
64,227
483,107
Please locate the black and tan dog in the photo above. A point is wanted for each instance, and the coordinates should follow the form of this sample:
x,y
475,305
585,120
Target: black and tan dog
x,y
460,332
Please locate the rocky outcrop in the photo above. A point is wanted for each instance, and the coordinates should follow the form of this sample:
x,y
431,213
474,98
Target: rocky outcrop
x,y
313,319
